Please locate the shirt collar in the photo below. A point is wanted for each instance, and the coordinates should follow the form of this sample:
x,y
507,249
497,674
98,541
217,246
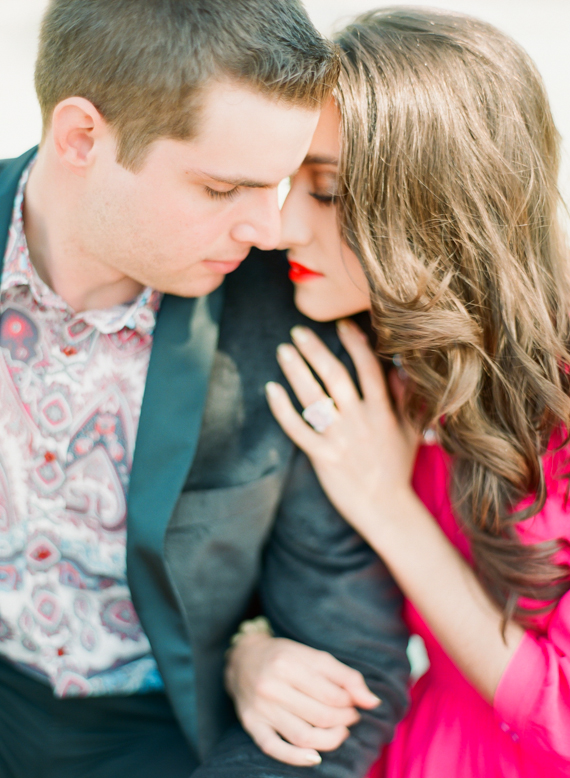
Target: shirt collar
x,y
140,314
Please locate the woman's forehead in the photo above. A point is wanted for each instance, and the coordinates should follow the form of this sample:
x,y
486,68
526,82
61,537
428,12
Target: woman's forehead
x,y
325,146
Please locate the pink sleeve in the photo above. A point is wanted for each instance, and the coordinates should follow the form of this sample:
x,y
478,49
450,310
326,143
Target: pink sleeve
x,y
533,696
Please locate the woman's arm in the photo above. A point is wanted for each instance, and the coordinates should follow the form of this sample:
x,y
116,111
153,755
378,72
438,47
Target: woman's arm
x,y
445,590
364,461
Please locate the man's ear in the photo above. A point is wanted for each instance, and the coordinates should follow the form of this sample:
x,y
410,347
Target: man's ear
x,y
76,128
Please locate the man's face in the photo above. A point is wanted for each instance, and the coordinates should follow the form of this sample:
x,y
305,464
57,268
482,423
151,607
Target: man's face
x,y
195,209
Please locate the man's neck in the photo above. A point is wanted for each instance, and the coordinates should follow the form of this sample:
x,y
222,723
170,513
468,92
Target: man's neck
x,y
56,252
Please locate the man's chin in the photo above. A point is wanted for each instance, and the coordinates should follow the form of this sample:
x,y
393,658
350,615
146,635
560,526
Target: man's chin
x,y
197,287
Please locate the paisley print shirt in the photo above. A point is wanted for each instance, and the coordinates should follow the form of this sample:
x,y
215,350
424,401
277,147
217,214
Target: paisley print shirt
x,y
71,388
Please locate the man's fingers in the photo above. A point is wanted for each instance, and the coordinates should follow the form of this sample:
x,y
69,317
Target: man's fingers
x,y
274,746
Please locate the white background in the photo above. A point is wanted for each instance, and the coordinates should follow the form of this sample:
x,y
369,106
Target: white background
x,y
541,26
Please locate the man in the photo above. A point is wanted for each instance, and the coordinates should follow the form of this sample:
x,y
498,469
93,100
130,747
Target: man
x,y
168,125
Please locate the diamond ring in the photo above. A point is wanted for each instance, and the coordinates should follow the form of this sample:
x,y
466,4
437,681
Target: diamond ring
x,y
320,414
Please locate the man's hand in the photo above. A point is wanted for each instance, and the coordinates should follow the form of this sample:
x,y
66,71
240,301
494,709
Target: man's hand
x,y
293,700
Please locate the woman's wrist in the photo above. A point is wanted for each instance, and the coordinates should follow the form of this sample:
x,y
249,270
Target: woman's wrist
x,y
258,626
380,522
401,531
242,643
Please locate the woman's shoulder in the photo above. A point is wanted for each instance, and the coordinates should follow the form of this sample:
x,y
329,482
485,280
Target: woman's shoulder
x,y
552,522
431,482
431,473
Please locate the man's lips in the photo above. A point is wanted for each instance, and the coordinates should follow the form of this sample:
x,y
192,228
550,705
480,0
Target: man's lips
x,y
299,273
223,266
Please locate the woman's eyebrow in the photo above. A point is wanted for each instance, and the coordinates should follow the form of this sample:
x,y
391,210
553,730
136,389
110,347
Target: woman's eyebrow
x,y
317,159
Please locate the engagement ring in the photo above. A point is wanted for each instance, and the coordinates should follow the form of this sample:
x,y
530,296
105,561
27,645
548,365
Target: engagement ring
x,y
320,414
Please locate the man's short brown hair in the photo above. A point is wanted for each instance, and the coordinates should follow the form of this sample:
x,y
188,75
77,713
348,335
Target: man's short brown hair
x,y
145,63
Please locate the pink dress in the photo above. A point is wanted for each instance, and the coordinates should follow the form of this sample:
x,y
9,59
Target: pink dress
x,y
450,730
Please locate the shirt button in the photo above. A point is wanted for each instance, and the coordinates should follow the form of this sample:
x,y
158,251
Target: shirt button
x,y
514,737
504,726
69,351
49,456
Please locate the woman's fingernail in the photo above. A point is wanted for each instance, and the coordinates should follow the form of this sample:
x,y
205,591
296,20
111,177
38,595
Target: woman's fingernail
x,y
299,334
346,327
376,700
271,389
314,758
285,352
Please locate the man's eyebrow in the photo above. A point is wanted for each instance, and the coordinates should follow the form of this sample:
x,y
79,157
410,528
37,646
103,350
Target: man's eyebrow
x,y
317,159
236,181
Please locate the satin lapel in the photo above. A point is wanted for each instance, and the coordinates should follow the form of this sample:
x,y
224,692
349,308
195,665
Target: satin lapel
x,y
185,342
9,179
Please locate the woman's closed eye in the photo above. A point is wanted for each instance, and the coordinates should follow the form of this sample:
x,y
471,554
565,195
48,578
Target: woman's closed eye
x,y
323,186
324,197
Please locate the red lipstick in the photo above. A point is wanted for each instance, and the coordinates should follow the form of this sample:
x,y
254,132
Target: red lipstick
x,y
299,273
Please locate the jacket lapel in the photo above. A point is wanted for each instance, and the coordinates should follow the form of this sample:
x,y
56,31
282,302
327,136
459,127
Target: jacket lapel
x,y
185,342
9,180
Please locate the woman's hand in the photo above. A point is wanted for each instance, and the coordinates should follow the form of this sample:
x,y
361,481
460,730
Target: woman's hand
x,y
364,459
292,699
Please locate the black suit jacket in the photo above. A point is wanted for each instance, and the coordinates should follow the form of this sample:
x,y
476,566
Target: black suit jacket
x,y
221,503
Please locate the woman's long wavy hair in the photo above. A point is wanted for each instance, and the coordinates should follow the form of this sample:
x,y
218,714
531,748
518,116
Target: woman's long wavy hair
x,y
448,194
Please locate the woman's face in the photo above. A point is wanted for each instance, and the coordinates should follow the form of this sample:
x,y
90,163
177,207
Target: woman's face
x,y
329,281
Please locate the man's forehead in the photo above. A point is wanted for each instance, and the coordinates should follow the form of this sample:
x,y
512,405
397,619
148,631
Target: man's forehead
x,y
229,106
247,139
227,94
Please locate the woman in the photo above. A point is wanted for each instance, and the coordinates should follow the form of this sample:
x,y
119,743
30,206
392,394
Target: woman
x,y
446,191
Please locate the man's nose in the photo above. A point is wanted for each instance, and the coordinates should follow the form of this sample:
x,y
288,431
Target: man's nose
x,y
261,225
295,226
